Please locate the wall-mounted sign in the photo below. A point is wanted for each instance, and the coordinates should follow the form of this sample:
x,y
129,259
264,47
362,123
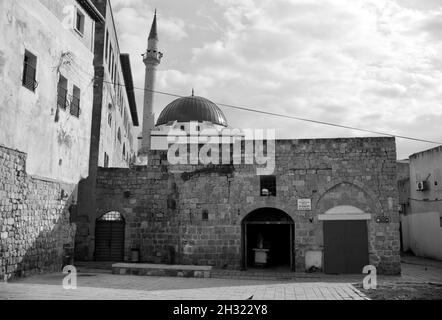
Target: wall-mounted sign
x,y
304,204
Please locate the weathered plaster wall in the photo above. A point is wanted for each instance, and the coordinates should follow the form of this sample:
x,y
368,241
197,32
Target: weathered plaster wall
x,y
57,149
35,231
110,96
163,204
104,135
423,224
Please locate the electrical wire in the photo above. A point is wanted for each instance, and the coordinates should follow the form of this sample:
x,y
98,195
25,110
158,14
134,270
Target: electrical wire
x,y
291,117
424,200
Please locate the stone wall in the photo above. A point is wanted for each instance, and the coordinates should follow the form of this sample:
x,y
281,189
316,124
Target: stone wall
x,y
35,231
163,204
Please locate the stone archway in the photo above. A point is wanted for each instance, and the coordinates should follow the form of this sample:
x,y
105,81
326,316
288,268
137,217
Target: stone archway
x,y
268,239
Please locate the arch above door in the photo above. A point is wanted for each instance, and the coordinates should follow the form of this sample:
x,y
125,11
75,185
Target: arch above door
x,y
344,212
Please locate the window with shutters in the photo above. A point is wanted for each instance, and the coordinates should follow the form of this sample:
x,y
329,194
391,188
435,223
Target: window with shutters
x,y
62,92
29,71
75,103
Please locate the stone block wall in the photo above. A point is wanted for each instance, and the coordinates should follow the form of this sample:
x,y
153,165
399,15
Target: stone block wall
x,y
35,231
166,206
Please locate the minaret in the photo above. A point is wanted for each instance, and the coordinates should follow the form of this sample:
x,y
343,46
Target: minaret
x,y
152,58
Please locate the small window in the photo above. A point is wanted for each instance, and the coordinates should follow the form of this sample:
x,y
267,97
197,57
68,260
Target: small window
x,y
110,61
106,48
62,92
205,215
268,186
183,128
29,71
119,135
75,103
106,160
79,22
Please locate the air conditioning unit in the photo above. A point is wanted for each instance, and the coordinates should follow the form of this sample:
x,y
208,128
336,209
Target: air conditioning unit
x,y
421,185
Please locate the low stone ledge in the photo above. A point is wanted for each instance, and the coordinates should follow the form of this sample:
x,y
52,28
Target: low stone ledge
x,y
160,270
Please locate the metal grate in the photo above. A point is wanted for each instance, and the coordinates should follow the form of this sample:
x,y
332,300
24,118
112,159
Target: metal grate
x,y
112,216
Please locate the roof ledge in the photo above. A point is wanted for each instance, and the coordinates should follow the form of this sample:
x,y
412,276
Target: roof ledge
x,y
92,10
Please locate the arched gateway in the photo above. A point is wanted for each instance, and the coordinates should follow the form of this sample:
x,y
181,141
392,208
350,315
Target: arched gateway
x,y
268,239
109,237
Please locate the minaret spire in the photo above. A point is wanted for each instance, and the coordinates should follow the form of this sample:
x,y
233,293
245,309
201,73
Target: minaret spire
x,y
152,58
153,31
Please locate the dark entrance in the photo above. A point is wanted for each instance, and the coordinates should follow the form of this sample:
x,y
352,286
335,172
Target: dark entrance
x,y
345,247
268,240
109,237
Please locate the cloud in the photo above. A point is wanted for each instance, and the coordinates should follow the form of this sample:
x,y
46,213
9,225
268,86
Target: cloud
x,y
375,64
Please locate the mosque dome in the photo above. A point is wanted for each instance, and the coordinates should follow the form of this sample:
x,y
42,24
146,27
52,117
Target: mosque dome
x,y
190,109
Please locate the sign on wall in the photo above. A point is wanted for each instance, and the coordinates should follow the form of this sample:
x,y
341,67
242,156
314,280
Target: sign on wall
x,y
304,204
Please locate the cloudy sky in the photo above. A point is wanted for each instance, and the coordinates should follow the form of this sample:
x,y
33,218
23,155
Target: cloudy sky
x,y
374,64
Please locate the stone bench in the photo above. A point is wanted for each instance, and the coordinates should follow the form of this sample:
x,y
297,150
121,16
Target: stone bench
x,y
161,270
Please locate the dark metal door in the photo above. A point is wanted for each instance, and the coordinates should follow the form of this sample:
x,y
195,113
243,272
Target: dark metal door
x,y
109,241
345,247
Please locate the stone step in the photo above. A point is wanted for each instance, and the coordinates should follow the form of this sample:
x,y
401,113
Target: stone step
x,y
161,270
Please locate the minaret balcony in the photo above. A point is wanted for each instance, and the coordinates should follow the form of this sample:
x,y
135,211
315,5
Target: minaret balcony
x,y
154,55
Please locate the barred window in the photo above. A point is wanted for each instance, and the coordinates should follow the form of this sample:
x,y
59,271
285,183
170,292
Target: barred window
x,y
75,103
62,92
29,71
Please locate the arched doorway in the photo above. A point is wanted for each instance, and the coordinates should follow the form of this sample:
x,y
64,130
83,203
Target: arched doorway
x,y
268,237
345,240
109,237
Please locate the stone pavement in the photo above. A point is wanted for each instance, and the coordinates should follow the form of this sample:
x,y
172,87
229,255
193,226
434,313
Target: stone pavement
x,y
101,285
97,286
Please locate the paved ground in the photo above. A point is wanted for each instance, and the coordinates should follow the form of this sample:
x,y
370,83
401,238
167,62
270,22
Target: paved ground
x,y
104,286
421,280
417,276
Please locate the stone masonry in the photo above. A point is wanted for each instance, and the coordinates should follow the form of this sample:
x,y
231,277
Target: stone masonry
x,y
163,205
35,231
